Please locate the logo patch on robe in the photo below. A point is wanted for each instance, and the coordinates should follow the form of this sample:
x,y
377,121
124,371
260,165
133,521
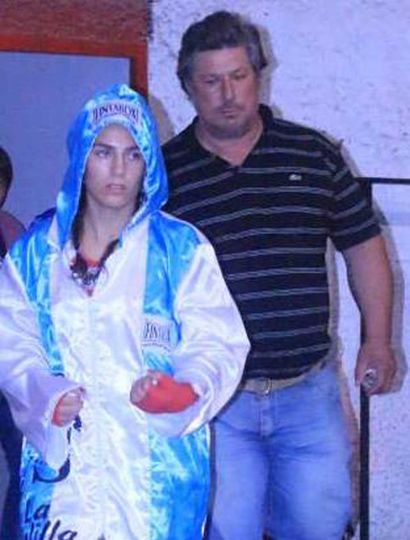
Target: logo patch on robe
x,y
116,108
157,333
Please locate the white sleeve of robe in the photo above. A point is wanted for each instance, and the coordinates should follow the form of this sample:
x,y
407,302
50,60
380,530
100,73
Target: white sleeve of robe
x,y
30,388
213,347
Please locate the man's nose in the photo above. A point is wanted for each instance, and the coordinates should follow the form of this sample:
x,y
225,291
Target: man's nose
x,y
228,90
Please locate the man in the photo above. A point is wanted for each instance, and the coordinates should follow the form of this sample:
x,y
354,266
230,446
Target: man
x,y
10,229
269,194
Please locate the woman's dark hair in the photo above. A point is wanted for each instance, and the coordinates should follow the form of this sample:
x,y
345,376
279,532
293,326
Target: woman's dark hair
x,y
79,268
6,169
219,30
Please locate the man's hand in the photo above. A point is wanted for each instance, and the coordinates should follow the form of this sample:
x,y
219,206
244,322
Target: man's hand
x,y
376,367
160,393
68,407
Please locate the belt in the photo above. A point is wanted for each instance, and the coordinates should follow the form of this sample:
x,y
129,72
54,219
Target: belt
x,y
264,385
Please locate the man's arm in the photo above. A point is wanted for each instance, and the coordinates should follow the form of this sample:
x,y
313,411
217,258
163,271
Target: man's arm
x,y
11,228
371,283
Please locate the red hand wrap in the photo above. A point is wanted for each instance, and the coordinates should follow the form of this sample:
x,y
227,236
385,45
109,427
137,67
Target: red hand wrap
x,y
56,418
167,396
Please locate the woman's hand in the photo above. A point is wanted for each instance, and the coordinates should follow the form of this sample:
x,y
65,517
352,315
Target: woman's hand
x,y
157,392
68,407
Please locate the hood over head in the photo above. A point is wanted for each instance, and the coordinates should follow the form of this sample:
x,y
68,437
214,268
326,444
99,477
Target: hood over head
x,y
117,105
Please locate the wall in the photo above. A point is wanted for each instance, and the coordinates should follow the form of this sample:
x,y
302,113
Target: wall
x,y
344,68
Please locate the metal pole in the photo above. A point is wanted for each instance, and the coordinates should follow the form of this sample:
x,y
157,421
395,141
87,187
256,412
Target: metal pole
x,y
364,507
364,465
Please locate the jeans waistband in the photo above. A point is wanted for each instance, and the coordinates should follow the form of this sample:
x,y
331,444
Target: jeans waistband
x,y
264,385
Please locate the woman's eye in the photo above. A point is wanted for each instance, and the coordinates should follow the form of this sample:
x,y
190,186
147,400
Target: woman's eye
x,y
101,152
134,155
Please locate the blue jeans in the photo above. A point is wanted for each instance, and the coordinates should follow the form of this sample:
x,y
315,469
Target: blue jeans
x,y
282,464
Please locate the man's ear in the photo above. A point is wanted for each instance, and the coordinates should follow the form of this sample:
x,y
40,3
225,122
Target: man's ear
x,y
188,89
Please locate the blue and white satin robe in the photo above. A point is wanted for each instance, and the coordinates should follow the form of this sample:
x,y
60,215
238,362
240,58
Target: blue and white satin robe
x,y
117,473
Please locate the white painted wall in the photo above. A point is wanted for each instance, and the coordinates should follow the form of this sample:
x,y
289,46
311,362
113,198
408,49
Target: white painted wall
x,y
342,66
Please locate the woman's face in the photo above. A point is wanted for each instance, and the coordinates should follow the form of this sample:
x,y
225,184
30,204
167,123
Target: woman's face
x,y
115,171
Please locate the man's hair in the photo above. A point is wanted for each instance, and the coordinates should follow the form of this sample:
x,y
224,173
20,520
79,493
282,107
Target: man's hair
x,y
6,169
220,30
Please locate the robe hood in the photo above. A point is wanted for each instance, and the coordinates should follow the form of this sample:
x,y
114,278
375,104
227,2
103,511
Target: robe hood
x,y
117,105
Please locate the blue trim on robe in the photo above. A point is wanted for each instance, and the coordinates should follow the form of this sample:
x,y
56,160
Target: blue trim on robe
x,y
31,256
166,267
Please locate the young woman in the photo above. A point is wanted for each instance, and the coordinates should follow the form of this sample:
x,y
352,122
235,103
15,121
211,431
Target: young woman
x,y
120,341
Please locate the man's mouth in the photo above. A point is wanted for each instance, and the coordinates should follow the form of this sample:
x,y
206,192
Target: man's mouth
x,y
229,110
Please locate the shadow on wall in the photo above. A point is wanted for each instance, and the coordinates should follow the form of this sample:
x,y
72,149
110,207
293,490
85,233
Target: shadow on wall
x,y
165,127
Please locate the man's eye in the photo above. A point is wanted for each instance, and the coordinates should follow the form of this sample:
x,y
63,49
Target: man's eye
x,y
211,82
239,76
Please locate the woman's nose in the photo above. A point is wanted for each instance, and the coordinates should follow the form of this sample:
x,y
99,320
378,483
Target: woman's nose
x,y
118,164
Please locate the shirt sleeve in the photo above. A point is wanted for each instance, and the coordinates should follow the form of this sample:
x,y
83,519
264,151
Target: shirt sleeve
x,y
213,347
352,218
25,379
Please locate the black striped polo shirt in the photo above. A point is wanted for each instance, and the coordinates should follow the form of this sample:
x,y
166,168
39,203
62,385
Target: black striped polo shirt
x,y
269,221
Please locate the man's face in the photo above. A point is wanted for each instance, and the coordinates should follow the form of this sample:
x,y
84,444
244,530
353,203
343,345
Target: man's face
x,y
114,173
224,90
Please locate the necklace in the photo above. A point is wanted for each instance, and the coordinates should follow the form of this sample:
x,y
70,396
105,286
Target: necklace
x,y
85,272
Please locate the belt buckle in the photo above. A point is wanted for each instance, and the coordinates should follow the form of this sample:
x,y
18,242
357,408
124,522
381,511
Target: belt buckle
x,y
267,387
